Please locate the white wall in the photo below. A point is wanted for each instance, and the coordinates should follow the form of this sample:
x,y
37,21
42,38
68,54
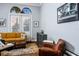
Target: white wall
x,y
5,10
68,31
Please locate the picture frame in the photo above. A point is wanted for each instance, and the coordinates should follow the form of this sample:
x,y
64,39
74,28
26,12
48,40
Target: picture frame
x,y
2,22
35,24
67,12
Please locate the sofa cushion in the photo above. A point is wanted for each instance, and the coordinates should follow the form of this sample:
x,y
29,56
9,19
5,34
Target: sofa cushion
x,y
11,35
14,39
47,44
18,35
3,35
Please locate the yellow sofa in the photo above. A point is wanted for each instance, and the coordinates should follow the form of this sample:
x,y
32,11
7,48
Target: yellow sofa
x,y
13,37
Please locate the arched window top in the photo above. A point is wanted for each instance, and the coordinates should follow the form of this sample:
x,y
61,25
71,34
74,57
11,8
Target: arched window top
x,y
26,10
15,9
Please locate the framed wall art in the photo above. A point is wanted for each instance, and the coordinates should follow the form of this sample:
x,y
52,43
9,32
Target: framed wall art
x,y
68,12
2,22
35,24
